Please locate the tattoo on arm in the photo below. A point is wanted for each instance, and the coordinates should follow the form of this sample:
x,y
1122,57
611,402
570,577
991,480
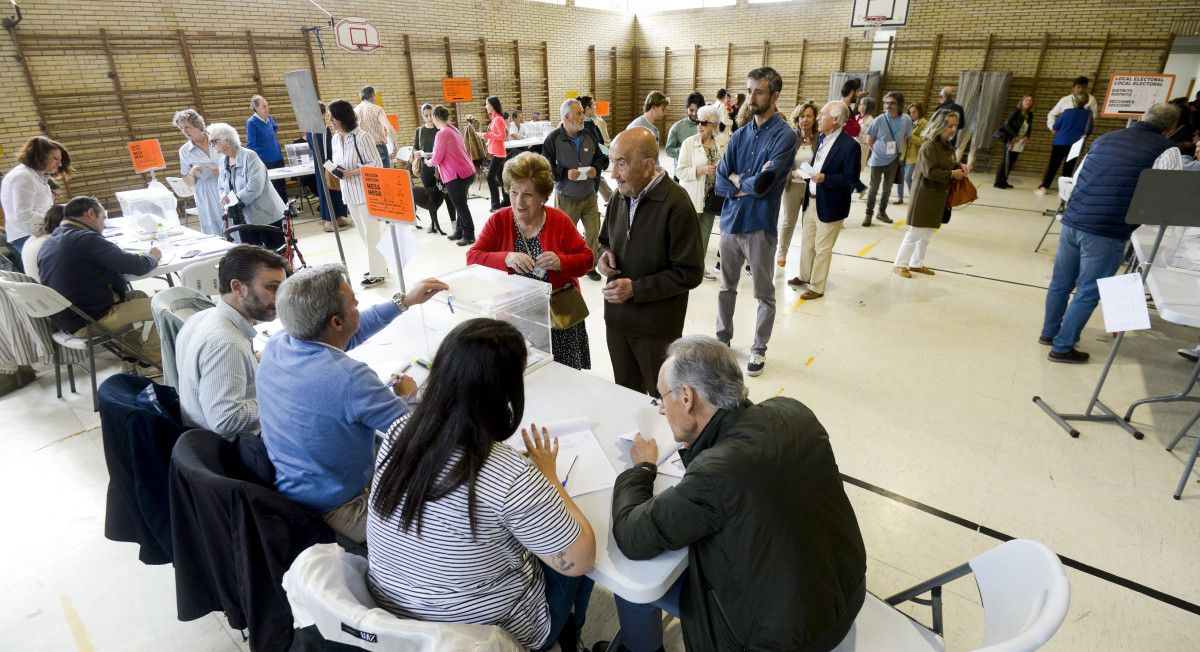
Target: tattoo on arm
x,y
560,562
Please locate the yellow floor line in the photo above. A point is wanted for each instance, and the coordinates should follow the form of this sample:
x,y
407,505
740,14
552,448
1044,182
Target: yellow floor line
x,y
796,305
82,642
864,250
809,361
898,224
780,392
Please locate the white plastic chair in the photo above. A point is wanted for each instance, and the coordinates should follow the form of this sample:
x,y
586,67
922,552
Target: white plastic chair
x,y
202,277
327,586
171,308
1025,596
40,301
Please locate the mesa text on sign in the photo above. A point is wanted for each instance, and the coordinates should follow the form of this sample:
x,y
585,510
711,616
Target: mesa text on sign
x,y
1129,96
146,155
456,89
389,194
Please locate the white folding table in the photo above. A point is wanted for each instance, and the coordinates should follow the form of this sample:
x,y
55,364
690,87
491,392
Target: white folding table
x,y
180,240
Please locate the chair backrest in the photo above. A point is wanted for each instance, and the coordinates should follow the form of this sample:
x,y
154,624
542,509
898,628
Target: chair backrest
x,y
1025,595
171,308
202,277
36,300
327,586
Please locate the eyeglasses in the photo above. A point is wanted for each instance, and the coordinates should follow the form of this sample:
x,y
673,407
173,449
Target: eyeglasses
x,y
658,401
704,123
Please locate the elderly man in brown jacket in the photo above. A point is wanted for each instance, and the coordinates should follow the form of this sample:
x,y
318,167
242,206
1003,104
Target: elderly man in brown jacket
x,y
650,253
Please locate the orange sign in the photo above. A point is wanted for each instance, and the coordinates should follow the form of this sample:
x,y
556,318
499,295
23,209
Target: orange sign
x,y
389,194
146,155
394,120
456,89
601,108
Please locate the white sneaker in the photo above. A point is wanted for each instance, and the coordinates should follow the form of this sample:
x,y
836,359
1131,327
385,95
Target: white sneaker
x,y
709,275
1039,191
755,367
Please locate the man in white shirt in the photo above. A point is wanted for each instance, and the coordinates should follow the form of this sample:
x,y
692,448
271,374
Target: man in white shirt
x,y
213,351
373,120
834,175
1078,89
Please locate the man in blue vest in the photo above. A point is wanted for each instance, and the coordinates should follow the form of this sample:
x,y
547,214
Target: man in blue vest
x,y
1094,230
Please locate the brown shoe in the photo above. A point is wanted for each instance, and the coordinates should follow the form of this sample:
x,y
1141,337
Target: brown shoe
x,y
867,222
921,270
344,223
796,281
902,271
809,295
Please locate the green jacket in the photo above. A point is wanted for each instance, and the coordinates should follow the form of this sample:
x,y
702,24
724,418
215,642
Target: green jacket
x,y
775,557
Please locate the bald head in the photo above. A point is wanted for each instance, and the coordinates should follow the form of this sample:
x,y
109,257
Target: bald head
x,y
948,93
634,156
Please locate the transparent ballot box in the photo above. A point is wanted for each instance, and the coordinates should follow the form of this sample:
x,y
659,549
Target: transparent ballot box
x,y
478,291
1181,248
149,207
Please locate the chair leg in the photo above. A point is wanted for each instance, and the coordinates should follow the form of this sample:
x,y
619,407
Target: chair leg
x,y
92,369
58,370
1187,470
71,376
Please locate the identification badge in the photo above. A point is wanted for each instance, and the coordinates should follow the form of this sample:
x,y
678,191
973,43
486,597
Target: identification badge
x,y
891,147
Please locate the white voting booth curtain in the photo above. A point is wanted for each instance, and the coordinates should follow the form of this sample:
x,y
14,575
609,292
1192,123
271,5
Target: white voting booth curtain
x,y
982,96
870,81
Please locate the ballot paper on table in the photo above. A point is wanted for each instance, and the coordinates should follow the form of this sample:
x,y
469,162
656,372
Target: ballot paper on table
x,y
653,425
576,444
1123,302
408,246
1076,149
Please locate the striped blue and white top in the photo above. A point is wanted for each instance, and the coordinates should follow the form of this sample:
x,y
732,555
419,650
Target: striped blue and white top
x,y
444,574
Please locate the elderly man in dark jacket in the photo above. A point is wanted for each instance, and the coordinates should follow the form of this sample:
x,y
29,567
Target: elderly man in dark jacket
x,y
775,557
650,252
576,162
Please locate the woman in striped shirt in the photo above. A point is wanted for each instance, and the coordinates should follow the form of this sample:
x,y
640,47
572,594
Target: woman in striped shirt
x,y
464,528
354,149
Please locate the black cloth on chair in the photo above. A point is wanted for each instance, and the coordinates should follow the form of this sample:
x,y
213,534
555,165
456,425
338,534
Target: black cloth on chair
x,y
235,536
140,422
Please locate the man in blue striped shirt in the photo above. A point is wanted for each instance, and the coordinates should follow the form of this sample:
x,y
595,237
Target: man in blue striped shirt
x,y
751,175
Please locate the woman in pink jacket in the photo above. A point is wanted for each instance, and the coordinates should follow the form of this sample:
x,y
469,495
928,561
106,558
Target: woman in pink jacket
x,y
495,136
455,169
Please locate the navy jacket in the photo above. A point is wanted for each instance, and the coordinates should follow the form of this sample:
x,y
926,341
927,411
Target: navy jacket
x,y
87,269
1104,188
841,168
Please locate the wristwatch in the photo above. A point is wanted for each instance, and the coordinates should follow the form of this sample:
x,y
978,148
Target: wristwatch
x,y
398,299
648,466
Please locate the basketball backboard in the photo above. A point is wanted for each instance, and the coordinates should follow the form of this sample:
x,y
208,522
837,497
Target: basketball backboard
x,y
893,12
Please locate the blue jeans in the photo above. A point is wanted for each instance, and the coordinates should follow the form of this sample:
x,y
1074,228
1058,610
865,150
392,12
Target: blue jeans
x,y
1081,259
565,594
909,168
641,624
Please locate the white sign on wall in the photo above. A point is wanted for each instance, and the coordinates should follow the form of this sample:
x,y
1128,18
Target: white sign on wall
x,y
1129,96
357,35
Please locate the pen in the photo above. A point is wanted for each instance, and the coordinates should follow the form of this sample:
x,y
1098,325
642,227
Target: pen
x,y
421,363
569,469
449,305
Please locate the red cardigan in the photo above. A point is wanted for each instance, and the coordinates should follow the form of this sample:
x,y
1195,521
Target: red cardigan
x,y
558,235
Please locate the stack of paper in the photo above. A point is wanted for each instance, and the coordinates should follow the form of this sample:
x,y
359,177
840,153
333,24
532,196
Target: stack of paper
x,y
653,425
579,453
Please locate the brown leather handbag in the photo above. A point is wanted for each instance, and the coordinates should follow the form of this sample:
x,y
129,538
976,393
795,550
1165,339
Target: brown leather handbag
x,y
567,307
962,192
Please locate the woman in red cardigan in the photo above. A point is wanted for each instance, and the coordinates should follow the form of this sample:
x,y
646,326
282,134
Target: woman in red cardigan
x,y
537,241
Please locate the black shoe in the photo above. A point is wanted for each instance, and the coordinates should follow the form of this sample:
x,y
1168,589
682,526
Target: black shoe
x,y
1001,186
371,281
594,275
1189,354
867,221
466,242
884,218
454,236
1045,340
1074,356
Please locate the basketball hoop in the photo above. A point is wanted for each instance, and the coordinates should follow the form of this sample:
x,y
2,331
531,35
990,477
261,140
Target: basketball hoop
x,y
871,23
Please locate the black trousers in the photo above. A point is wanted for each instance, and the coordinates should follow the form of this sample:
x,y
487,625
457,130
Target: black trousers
x,y
495,183
457,191
280,184
636,361
1058,156
436,196
1008,160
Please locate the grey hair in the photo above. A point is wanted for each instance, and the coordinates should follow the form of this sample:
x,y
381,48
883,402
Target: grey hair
x,y
1161,116
838,110
565,108
707,366
367,93
308,299
709,113
187,116
948,93
938,122
255,100
221,130
898,96
867,105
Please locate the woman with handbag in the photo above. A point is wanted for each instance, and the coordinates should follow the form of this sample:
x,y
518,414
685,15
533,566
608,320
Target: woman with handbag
x,y
697,168
937,169
353,150
456,171
538,241
804,121
1014,133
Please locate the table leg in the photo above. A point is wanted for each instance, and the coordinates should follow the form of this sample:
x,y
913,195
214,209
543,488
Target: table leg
x,y
1183,395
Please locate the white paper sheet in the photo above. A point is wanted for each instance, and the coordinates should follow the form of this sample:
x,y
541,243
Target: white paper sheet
x,y
806,170
180,187
673,466
232,197
408,245
1123,302
329,165
1076,149
469,287
651,424
576,444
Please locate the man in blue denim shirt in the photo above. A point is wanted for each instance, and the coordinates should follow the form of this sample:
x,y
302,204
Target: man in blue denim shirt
x,y
751,175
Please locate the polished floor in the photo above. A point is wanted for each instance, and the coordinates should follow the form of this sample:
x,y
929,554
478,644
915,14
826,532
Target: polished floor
x,y
924,385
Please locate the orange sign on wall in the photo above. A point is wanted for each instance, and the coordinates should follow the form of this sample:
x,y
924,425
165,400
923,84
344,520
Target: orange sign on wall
x,y
389,194
601,108
456,89
394,120
146,155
